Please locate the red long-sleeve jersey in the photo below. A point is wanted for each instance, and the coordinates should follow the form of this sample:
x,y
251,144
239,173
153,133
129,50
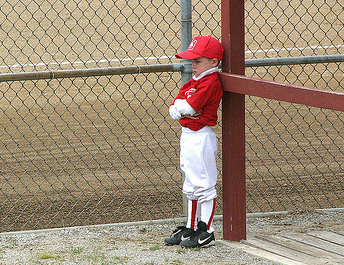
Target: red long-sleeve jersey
x,y
204,94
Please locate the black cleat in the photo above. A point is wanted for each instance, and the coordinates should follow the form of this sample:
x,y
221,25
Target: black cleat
x,y
182,233
200,238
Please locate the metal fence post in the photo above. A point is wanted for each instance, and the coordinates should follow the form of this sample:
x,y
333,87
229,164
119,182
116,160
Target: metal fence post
x,y
186,38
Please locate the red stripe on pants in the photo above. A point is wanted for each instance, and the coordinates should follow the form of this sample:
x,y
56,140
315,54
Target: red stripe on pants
x,y
193,214
212,215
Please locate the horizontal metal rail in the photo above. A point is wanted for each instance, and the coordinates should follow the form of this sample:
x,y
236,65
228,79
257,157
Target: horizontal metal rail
x,y
174,67
294,60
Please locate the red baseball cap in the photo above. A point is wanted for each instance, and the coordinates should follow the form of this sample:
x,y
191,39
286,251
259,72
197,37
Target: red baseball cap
x,y
203,46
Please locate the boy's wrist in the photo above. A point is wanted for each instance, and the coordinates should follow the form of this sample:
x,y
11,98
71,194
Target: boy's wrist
x,y
184,107
174,113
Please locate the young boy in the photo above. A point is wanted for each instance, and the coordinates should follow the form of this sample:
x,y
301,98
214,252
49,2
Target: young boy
x,y
196,109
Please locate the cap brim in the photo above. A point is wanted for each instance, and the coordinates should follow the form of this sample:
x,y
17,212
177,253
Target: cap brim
x,y
187,55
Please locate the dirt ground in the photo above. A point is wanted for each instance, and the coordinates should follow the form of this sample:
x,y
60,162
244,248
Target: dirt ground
x,y
103,149
131,243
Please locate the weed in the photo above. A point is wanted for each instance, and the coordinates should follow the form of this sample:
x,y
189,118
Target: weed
x,y
150,263
155,247
46,256
77,250
119,260
176,262
180,251
96,256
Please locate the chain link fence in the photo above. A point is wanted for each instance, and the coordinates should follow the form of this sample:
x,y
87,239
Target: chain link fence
x,y
295,156
100,148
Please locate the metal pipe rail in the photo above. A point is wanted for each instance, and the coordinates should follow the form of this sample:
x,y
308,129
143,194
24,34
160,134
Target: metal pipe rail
x,y
295,60
174,67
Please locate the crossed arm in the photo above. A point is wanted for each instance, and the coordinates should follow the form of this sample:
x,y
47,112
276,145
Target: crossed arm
x,y
182,109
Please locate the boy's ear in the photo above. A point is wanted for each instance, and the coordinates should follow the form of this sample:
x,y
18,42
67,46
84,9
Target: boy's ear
x,y
215,62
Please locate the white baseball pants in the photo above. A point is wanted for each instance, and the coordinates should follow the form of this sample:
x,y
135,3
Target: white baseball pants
x,y
198,152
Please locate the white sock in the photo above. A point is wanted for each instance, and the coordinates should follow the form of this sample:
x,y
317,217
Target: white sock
x,y
193,213
207,213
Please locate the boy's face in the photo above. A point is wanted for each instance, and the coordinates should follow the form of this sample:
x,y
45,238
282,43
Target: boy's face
x,y
202,64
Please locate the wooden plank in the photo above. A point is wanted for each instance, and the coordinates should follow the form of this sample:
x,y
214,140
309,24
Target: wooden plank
x,y
317,255
259,252
281,250
329,236
340,232
313,248
280,91
318,243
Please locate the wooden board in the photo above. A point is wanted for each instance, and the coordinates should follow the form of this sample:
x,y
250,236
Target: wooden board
x,y
314,248
317,242
336,238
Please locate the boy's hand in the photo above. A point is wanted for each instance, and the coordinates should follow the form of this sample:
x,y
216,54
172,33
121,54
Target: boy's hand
x,y
174,113
195,116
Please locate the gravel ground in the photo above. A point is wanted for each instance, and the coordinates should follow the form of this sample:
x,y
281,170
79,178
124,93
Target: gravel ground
x,y
144,244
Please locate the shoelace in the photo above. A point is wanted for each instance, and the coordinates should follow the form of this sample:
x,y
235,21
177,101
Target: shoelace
x,y
182,227
196,234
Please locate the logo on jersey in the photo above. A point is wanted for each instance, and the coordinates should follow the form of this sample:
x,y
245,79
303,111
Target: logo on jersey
x,y
192,45
190,92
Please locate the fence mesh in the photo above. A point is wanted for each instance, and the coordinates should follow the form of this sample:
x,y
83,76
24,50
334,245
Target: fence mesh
x,y
294,158
92,150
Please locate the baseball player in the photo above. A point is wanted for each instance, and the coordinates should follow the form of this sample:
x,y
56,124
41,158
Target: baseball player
x,y
195,107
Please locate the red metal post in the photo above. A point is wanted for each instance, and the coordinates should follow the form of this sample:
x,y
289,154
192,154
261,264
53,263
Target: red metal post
x,y
233,124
